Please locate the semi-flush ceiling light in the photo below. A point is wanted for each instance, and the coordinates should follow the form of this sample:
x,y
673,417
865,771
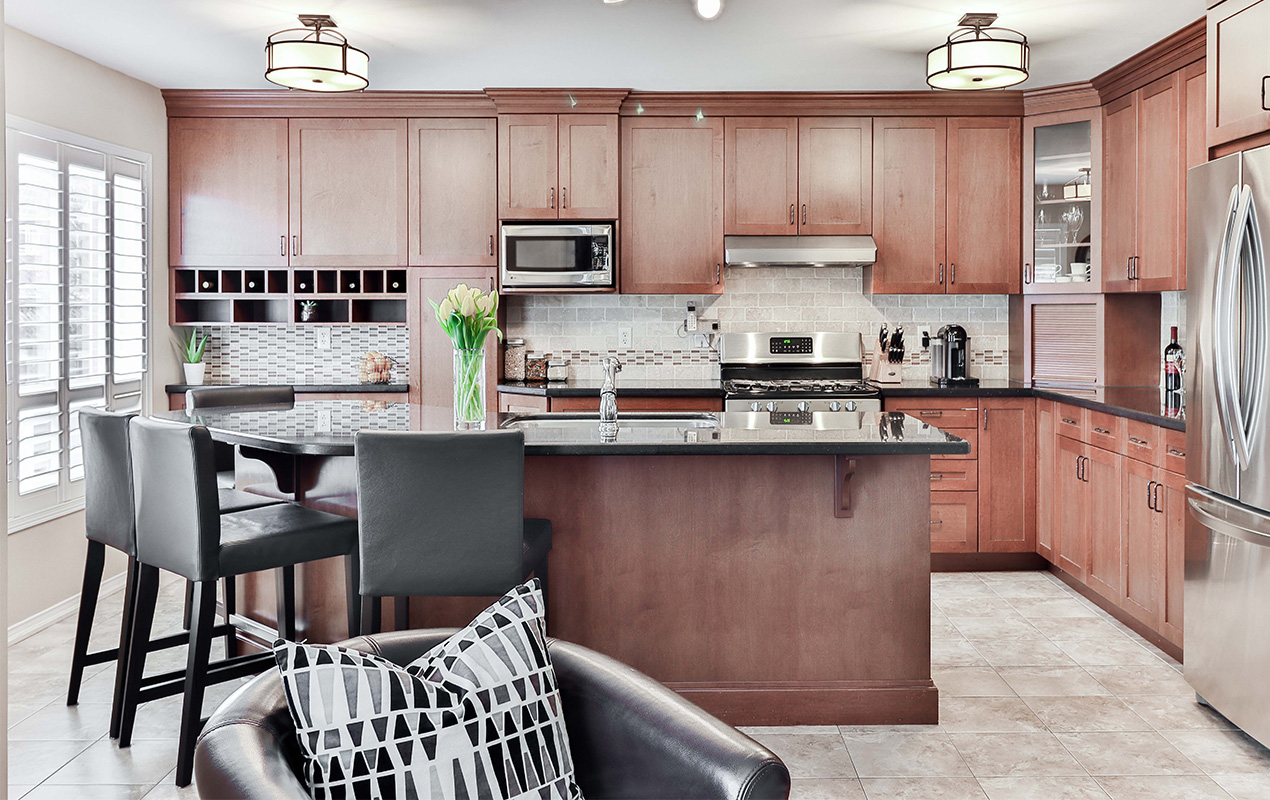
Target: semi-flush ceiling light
x,y
978,56
708,9
315,58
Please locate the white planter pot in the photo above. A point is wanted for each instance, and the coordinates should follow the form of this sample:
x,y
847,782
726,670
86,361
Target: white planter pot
x,y
194,373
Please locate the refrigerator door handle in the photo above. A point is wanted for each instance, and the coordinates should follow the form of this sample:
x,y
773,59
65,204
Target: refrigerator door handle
x,y
1223,334
1227,518
1250,257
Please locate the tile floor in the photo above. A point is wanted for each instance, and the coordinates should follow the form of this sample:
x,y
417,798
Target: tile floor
x,y
1042,697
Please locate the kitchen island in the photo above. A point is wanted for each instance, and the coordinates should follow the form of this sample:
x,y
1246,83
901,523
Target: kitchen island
x,y
773,569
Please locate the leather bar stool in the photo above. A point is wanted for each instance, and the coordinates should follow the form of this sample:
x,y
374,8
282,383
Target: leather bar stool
x,y
180,529
442,515
223,396
109,522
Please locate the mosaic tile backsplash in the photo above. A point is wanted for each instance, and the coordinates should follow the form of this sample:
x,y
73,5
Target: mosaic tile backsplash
x,y
583,329
289,354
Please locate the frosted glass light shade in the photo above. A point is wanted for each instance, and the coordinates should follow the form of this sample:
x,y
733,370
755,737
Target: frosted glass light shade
x,y
328,64
974,59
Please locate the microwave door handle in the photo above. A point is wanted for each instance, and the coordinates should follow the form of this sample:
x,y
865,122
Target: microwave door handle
x,y
1221,313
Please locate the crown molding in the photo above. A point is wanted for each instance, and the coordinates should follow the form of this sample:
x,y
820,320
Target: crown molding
x,y
824,104
1165,56
286,103
557,101
1064,97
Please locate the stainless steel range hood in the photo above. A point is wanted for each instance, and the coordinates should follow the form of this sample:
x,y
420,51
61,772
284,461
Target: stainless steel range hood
x,y
799,251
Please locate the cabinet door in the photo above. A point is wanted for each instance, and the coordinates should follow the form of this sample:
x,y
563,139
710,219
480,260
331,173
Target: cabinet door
x,y
1071,535
1238,60
1120,192
985,158
1104,473
528,159
1140,595
1046,490
453,192
909,202
760,158
1007,475
227,192
672,206
431,354
835,176
1195,130
588,166
1161,181
1173,501
954,522
349,204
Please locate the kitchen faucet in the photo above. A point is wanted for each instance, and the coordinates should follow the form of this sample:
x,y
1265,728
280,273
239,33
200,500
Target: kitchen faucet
x,y
608,393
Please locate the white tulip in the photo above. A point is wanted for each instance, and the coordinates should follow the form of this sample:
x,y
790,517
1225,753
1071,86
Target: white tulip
x,y
447,308
485,304
468,308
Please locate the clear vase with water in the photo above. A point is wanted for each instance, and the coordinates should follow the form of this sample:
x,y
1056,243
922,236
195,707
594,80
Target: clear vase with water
x,y
469,389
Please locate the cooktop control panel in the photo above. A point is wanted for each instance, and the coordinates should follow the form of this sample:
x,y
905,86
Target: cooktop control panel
x,y
789,344
790,418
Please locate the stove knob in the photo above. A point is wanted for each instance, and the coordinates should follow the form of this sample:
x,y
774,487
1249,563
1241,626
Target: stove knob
x,y
803,406
835,406
756,406
851,405
771,406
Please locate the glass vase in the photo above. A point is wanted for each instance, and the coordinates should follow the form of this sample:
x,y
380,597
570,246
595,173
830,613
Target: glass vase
x,y
469,390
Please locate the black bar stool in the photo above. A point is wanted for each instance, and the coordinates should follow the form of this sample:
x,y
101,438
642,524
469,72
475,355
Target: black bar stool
x,y
442,515
223,396
180,529
109,522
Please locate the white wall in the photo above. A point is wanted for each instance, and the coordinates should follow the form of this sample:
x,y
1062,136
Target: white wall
x,y
56,87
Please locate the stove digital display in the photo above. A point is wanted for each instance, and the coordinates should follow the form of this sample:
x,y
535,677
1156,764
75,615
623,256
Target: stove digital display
x,y
780,345
790,417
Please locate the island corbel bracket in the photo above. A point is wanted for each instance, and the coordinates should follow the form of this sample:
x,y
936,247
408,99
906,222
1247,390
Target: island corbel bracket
x,y
843,470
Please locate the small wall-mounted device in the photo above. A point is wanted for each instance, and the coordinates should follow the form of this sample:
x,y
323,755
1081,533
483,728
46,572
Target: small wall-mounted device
x,y
690,321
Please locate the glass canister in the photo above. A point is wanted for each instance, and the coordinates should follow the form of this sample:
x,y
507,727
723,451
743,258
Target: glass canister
x,y
514,359
557,370
536,369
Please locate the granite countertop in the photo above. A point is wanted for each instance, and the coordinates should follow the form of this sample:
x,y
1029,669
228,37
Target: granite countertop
x,y
631,388
328,427
306,388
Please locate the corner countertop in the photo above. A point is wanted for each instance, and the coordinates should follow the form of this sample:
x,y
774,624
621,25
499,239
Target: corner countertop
x,y
591,388
306,388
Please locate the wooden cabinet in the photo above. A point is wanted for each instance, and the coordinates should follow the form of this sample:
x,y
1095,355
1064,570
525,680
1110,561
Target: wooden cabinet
x,y
1120,192
1238,63
1045,499
672,205
954,522
760,156
349,204
431,353
946,205
1143,534
227,192
1175,519
453,195
1102,473
835,176
557,166
1071,532
1007,475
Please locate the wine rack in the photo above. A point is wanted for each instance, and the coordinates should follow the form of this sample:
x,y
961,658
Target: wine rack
x,y
277,296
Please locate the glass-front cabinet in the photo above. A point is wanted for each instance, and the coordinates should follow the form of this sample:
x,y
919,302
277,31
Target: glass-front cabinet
x,y
1062,203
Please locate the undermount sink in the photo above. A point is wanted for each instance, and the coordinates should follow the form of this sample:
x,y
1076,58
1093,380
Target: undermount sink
x,y
635,419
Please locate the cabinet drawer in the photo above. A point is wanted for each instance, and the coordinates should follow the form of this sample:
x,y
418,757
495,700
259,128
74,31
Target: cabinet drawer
x,y
1070,422
509,403
1173,452
950,413
954,522
971,435
950,475
1143,442
629,403
1105,431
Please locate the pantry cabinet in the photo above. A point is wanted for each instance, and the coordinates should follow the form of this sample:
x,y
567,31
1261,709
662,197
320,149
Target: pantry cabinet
x,y
1071,513
453,199
1238,63
1007,475
1102,473
1140,595
557,166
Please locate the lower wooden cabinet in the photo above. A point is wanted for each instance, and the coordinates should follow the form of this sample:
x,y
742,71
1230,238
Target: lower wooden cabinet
x,y
954,522
1071,512
1175,520
1007,475
512,403
1103,477
1045,436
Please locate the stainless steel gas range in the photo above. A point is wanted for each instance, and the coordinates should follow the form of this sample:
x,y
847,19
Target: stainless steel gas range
x,y
796,375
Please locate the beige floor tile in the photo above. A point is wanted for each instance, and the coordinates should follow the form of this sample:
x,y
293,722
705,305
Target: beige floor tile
x,y
1042,590
826,789
1106,652
1127,753
1144,679
810,755
850,730
1066,788
1023,651
945,590
1088,713
1221,751
970,682
1177,713
922,789
988,605
987,715
998,627
1156,787
1031,607
146,761
50,791
32,762
168,790
19,712
1012,755
1051,681
57,721
955,653
1077,628
768,730
905,755
19,790
1244,786
941,628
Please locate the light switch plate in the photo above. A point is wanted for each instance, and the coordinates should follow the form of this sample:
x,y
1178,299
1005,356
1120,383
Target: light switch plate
x,y
324,338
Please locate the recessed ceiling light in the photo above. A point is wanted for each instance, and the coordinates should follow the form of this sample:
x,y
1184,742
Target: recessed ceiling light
x,y
315,58
978,56
708,9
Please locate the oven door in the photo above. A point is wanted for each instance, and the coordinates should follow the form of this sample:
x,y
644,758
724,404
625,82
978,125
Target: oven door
x,y
557,255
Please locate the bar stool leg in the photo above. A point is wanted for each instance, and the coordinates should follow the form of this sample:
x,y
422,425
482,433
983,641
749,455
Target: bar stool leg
x,y
352,592
231,607
401,613
94,564
284,583
371,615
147,594
189,605
125,634
204,619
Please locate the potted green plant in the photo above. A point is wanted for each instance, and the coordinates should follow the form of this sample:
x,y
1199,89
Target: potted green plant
x,y
467,316
191,346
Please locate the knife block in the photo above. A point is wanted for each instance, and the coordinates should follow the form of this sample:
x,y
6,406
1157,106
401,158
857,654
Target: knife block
x,y
882,371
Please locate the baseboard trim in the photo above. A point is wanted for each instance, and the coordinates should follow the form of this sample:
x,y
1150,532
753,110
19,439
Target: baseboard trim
x,y
830,703
985,562
60,611
1120,614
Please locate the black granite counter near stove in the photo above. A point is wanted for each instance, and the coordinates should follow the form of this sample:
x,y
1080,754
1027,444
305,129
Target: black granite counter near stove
x,y
306,388
633,388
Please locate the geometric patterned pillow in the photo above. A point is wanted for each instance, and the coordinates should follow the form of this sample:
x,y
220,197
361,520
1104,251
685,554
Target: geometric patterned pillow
x,y
477,716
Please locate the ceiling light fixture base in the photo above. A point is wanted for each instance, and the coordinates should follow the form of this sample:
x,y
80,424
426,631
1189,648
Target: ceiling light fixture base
x,y
315,58
978,56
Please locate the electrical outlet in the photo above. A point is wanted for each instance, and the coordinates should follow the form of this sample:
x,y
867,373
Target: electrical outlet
x,y
324,338
623,335
323,419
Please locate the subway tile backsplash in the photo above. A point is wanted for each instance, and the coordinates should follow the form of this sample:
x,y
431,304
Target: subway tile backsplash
x,y
585,328
289,354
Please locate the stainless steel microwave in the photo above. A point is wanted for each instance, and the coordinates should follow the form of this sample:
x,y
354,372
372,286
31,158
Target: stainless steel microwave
x,y
552,254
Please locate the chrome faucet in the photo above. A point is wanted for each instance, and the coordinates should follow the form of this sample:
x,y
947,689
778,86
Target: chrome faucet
x,y
608,392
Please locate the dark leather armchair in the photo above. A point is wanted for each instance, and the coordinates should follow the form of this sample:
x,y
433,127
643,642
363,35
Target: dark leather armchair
x,y
631,737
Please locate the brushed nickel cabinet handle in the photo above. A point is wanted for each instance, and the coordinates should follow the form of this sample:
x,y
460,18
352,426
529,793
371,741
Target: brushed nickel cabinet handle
x,y
1139,442
1150,496
1178,453
283,251
491,283
804,213
936,522
941,273
718,274
1103,432
1027,274
564,197
1070,421
985,419
491,244
952,272
930,413
937,476
1155,500
791,213
553,197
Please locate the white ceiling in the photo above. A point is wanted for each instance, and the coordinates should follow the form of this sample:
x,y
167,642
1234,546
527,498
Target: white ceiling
x,y
814,45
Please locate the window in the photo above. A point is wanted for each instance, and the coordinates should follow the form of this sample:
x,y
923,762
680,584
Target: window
x,y
76,256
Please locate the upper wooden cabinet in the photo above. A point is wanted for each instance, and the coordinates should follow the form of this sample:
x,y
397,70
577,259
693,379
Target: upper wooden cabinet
x,y
453,194
557,166
1062,202
227,192
349,204
946,205
1238,63
672,205
798,176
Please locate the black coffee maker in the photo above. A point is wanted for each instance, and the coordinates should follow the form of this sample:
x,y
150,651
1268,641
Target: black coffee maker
x,y
949,357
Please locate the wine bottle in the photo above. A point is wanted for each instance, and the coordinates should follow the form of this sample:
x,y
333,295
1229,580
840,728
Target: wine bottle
x,y
1173,363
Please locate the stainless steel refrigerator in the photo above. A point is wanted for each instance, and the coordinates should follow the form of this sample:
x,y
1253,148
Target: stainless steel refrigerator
x,y
1227,611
